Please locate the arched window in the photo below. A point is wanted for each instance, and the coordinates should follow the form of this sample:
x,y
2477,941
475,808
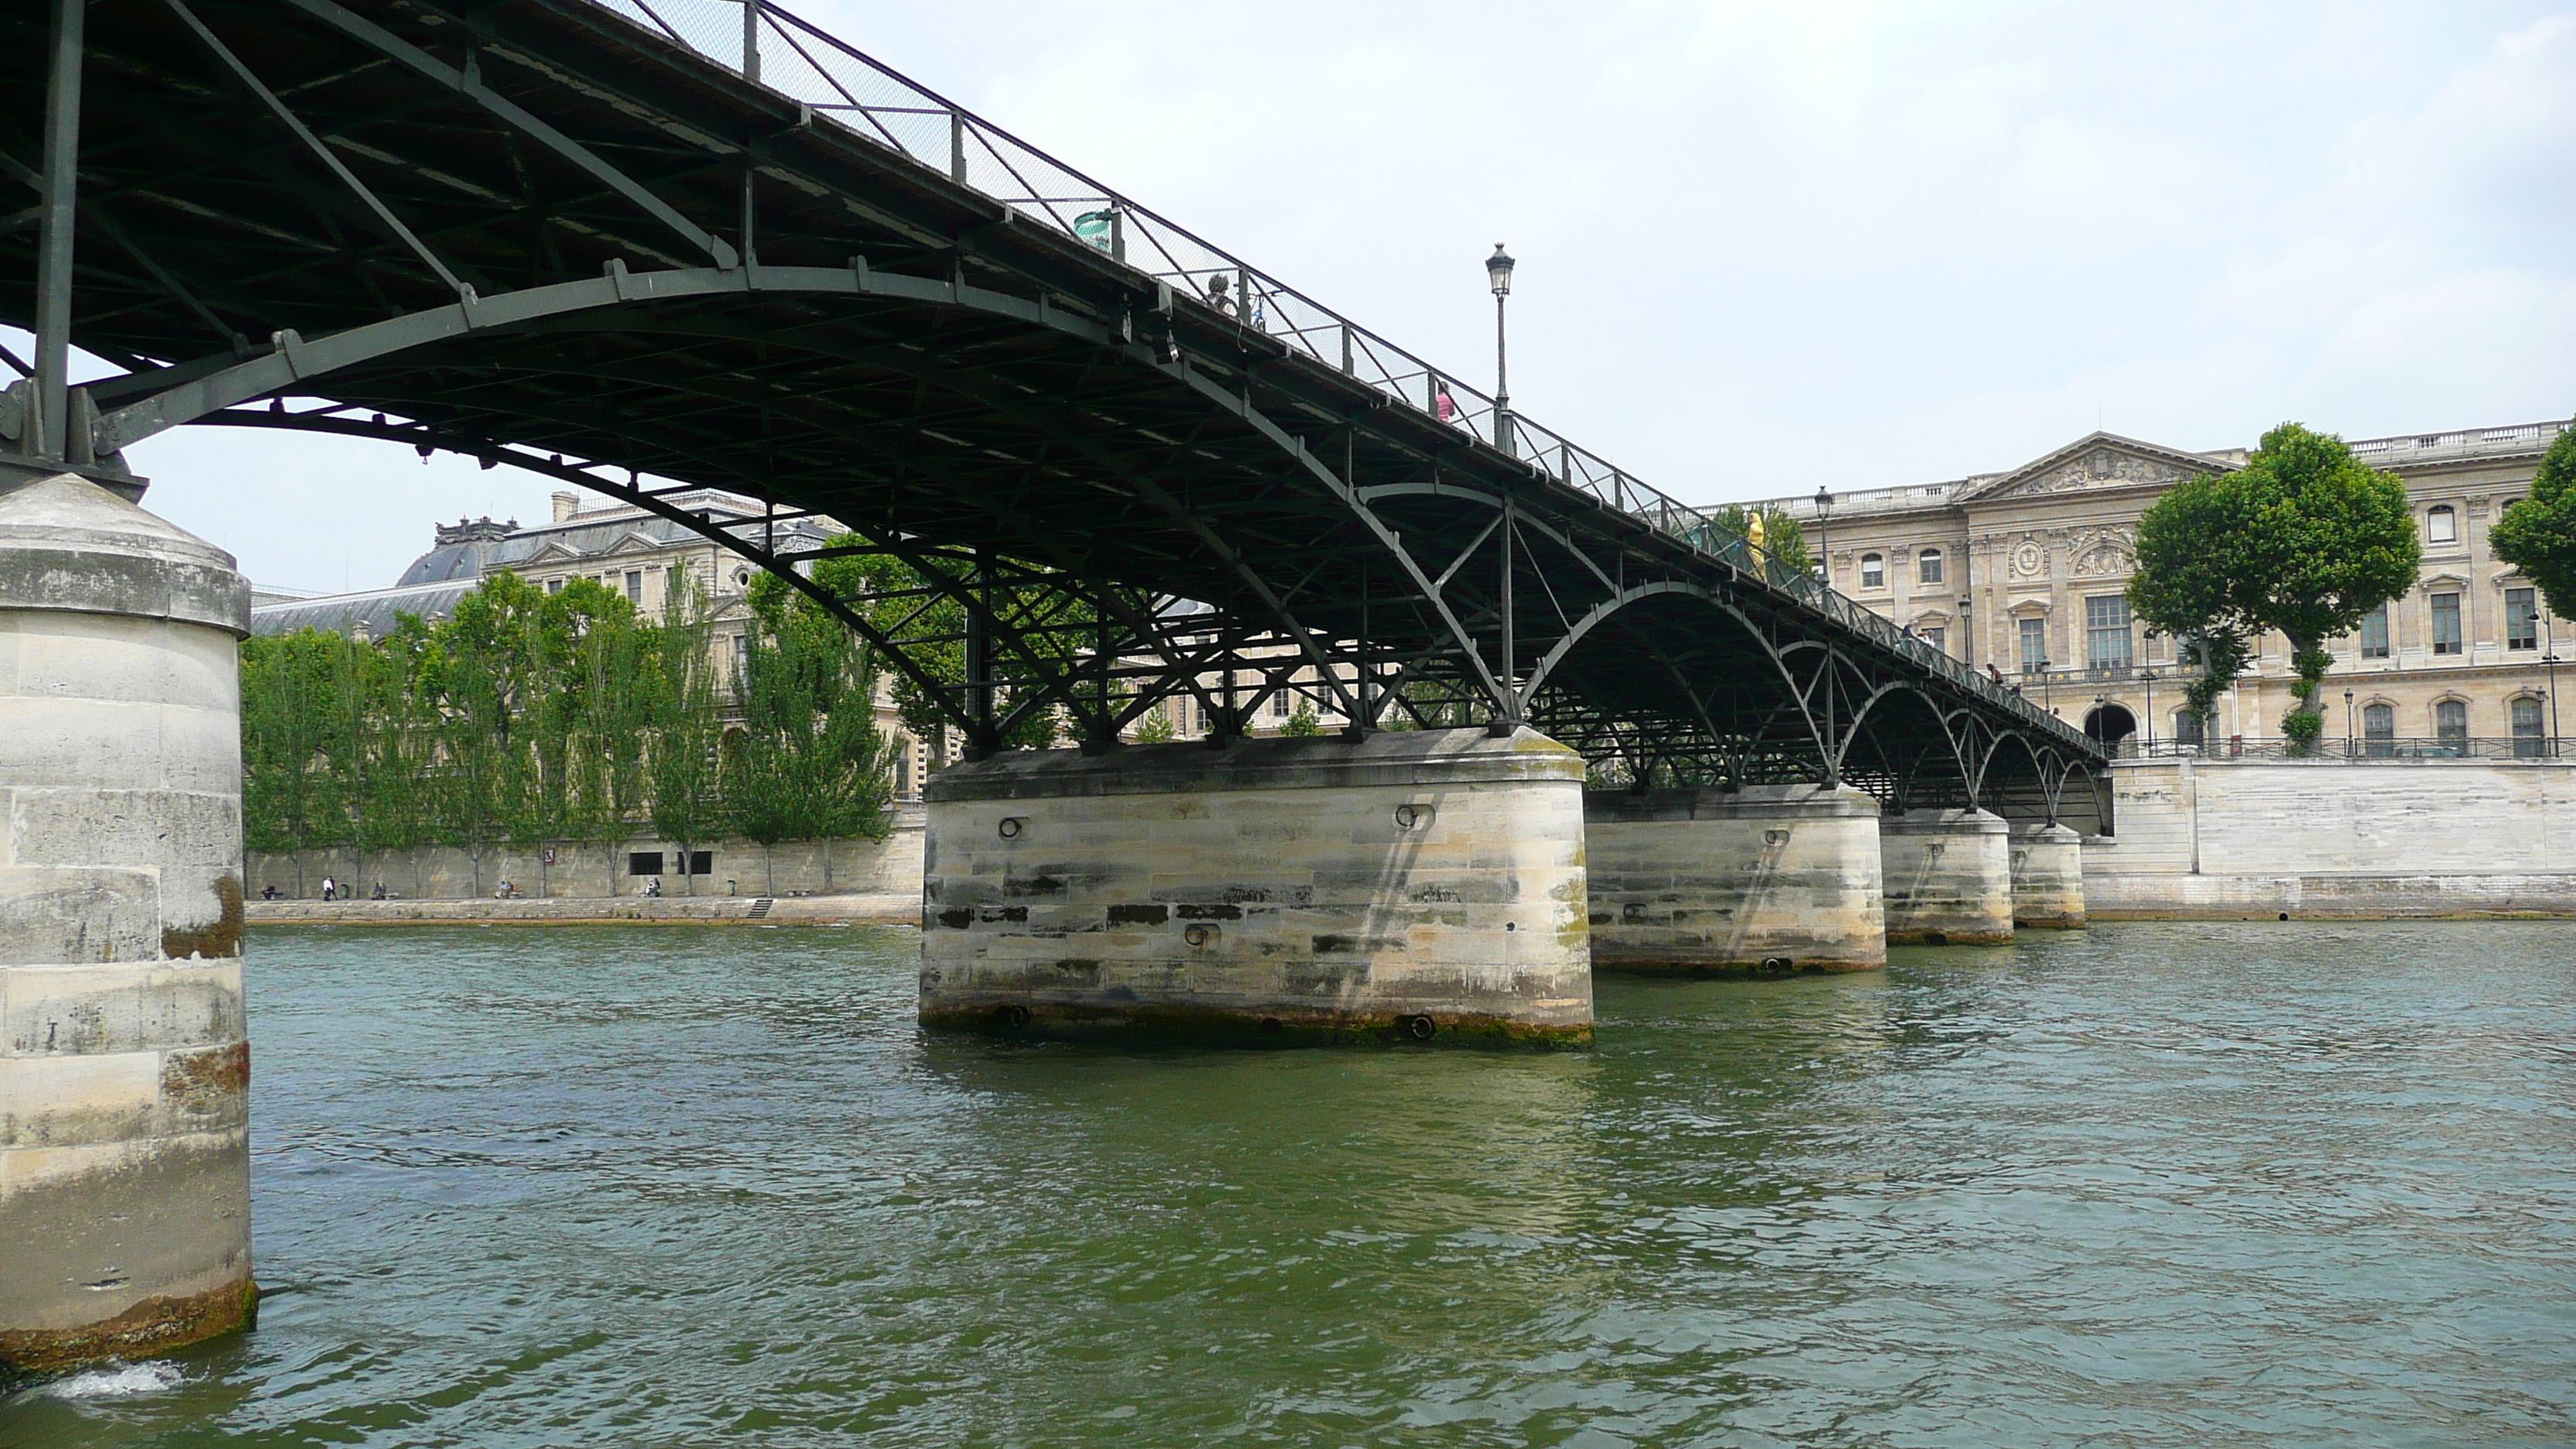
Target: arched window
x,y
2379,730
2451,725
2188,728
2441,525
1927,566
2528,742
1873,571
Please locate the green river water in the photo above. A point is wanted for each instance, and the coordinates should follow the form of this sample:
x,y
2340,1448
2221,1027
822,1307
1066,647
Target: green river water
x,y
2262,1183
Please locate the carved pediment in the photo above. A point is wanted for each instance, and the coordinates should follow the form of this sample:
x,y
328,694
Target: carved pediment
x,y
2098,461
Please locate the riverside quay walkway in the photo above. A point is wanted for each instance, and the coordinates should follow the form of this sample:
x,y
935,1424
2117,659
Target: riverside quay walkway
x,y
594,243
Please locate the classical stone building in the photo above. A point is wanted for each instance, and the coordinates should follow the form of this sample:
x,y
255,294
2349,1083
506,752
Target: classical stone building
x,y
634,552
2024,570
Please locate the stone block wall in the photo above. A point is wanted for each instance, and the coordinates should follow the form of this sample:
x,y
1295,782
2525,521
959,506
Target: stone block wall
x,y
586,871
2238,838
1767,879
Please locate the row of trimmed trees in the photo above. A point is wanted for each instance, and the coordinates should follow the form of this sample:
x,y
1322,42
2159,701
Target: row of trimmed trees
x,y
528,717
2305,540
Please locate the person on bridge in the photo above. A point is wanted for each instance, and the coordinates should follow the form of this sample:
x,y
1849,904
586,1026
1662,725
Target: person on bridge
x,y
1444,406
1217,297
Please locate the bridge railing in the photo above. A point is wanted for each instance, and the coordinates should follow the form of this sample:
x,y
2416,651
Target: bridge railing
x,y
800,59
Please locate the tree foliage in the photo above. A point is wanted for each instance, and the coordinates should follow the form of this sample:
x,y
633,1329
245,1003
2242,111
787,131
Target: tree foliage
x,y
808,762
2538,534
2303,540
529,716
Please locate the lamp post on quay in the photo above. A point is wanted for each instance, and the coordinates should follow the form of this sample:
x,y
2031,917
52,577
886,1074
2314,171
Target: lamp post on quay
x,y
2347,724
1498,274
1824,511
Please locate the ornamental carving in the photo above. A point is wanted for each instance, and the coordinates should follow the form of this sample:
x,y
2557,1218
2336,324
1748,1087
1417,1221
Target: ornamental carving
x,y
2102,468
2027,560
2103,552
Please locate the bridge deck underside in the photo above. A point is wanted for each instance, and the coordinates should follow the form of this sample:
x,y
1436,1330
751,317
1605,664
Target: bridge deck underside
x,y
990,388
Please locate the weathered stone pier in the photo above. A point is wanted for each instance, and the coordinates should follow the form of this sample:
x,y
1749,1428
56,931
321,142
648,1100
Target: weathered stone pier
x,y
1948,876
1414,885
124,1059
1764,880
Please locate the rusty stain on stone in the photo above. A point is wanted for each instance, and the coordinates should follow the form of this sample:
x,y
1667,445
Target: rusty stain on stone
x,y
223,938
204,1078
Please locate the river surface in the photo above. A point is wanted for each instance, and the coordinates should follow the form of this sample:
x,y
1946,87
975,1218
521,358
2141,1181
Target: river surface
x,y
2263,1183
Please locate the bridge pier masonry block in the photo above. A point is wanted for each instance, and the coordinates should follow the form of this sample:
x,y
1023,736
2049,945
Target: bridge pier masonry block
x,y
1765,880
1948,876
1414,885
124,1059
2047,877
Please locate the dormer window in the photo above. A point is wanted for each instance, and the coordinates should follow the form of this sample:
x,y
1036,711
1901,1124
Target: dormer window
x,y
2441,525
1873,571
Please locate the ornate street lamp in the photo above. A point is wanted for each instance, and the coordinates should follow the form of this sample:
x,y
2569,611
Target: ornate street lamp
x,y
1498,274
2347,724
1824,511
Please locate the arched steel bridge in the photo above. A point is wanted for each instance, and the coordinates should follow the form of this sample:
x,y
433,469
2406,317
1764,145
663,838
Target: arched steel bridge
x,y
581,239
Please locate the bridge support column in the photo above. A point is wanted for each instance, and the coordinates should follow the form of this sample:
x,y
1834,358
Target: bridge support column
x,y
124,1063
2047,877
1421,885
1764,880
1948,877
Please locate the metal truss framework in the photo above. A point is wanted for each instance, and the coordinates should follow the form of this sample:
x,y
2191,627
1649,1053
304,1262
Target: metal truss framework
x,y
536,233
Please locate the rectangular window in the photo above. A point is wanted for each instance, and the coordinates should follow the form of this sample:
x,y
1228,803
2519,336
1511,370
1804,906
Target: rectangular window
x,y
2521,619
2446,623
1928,566
644,862
2034,645
699,862
2188,728
1938,638
2374,633
2106,632
635,586
554,586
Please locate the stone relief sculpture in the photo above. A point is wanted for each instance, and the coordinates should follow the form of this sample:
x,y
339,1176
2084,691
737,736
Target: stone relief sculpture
x,y
2103,552
2027,559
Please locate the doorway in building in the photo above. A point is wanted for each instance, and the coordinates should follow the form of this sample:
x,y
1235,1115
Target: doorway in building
x,y
2110,724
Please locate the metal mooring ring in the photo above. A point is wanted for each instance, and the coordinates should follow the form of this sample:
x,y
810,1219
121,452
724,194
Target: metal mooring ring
x,y
1407,816
1012,825
1420,1028
1199,935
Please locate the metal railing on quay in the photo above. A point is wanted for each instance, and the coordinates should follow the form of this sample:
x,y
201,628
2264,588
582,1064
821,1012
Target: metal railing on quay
x,y
2411,750
799,59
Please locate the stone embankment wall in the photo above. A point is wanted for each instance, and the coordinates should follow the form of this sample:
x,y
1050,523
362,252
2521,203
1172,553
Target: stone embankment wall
x,y
442,873
2234,839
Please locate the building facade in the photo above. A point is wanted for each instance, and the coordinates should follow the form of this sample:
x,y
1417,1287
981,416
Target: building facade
x,y
2024,571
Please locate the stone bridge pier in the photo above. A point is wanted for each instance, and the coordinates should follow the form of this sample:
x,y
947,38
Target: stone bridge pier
x,y
1421,885
124,1061
2047,877
1949,878
1765,880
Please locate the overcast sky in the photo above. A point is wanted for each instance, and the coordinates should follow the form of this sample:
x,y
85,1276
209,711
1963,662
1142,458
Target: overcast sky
x,y
1762,246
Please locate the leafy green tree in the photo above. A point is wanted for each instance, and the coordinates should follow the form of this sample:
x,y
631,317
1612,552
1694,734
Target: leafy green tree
x,y
398,750
683,776
614,692
486,672
1155,728
809,762
2538,534
291,799
2304,539
1303,724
